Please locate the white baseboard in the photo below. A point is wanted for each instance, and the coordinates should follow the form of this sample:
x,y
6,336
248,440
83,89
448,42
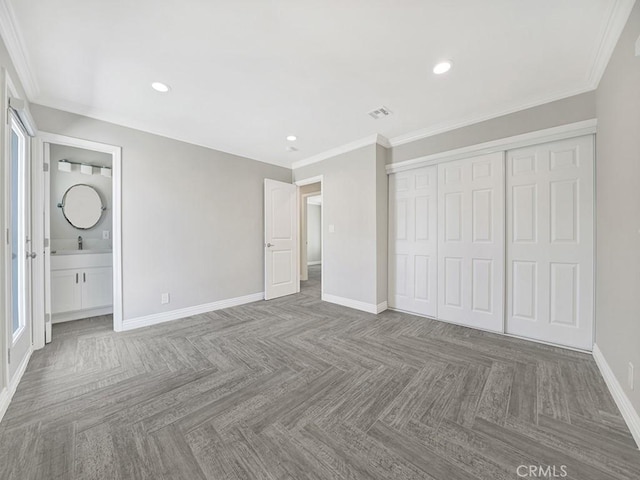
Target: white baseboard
x,y
381,307
622,401
147,320
70,316
347,302
7,393
315,262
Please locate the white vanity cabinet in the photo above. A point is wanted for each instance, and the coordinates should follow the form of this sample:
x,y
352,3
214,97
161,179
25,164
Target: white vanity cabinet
x,y
81,285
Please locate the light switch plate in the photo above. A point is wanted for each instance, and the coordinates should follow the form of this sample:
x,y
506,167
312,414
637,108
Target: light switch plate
x,y
105,234
164,298
332,229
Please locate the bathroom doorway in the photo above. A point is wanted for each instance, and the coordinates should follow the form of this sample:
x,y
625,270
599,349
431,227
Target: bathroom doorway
x,y
81,225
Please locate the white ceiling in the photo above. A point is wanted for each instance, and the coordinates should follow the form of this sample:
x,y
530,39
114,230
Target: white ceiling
x,y
247,73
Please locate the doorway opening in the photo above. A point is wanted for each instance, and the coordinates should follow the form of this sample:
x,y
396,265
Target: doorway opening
x,y
311,236
81,215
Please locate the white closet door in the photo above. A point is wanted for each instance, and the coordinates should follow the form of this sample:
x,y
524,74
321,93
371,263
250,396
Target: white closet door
x,y
413,241
471,242
550,242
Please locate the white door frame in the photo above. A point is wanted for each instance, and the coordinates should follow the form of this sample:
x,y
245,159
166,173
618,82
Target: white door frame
x,y
43,322
302,183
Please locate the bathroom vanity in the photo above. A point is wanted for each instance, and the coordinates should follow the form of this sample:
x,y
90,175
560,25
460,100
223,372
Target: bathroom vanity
x,y
81,284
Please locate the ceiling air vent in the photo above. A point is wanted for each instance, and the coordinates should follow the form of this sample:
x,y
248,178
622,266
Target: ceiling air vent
x,y
380,112
291,149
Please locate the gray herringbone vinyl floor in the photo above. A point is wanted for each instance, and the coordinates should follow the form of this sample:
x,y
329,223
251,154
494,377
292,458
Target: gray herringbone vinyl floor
x,y
295,388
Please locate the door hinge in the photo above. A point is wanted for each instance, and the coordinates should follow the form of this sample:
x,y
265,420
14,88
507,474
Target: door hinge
x,y
45,167
7,236
46,242
9,356
47,318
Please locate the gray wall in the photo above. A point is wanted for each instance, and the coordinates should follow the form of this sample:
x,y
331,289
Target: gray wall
x,y
192,217
63,235
618,210
349,203
314,233
568,110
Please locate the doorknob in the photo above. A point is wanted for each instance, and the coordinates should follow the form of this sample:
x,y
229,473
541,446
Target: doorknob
x,y
32,255
270,245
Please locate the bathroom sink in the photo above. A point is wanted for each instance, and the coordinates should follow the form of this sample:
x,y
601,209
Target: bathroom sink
x,y
80,252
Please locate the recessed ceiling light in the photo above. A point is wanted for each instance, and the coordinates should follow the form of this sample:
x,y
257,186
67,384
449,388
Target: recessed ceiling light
x,y
292,138
442,67
160,87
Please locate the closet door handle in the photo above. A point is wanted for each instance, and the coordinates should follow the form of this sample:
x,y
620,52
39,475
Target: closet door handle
x,y
84,277
76,278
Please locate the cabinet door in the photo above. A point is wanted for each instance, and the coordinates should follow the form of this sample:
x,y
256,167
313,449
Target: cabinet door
x,y
65,291
413,241
471,242
550,242
97,287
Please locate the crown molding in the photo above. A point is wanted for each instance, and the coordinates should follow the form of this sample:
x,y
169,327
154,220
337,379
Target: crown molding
x,y
17,51
124,122
348,147
616,22
473,119
570,130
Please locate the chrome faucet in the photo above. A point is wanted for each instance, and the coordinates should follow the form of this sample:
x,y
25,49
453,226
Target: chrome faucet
x,y
79,243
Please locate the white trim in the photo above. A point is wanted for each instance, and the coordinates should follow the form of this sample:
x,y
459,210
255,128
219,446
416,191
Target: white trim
x,y
38,304
308,181
17,51
625,406
7,393
153,319
586,127
381,307
116,208
616,22
363,142
127,122
315,262
355,304
472,120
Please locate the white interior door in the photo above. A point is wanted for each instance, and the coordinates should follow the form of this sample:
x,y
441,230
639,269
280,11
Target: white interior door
x,y
19,251
471,242
413,241
280,239
550,242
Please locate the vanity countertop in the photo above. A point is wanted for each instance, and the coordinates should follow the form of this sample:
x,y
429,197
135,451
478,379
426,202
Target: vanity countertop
x,y
74,259
81,252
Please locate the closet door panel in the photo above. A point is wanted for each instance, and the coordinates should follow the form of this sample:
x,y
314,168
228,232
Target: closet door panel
x,y
550,242
413,241
471,242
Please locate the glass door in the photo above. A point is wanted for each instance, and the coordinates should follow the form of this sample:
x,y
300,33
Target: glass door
x,y
19,236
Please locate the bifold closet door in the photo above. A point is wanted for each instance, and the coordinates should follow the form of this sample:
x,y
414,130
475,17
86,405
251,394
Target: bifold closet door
x,y
413,241
550,242
471,242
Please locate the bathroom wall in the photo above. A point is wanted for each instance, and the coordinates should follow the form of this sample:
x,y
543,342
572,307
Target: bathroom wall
x,y
63,235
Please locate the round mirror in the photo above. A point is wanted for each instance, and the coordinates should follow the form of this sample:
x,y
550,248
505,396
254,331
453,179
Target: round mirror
x,y
82,206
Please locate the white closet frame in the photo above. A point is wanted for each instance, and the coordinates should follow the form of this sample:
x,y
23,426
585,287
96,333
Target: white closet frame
x,y
572,130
